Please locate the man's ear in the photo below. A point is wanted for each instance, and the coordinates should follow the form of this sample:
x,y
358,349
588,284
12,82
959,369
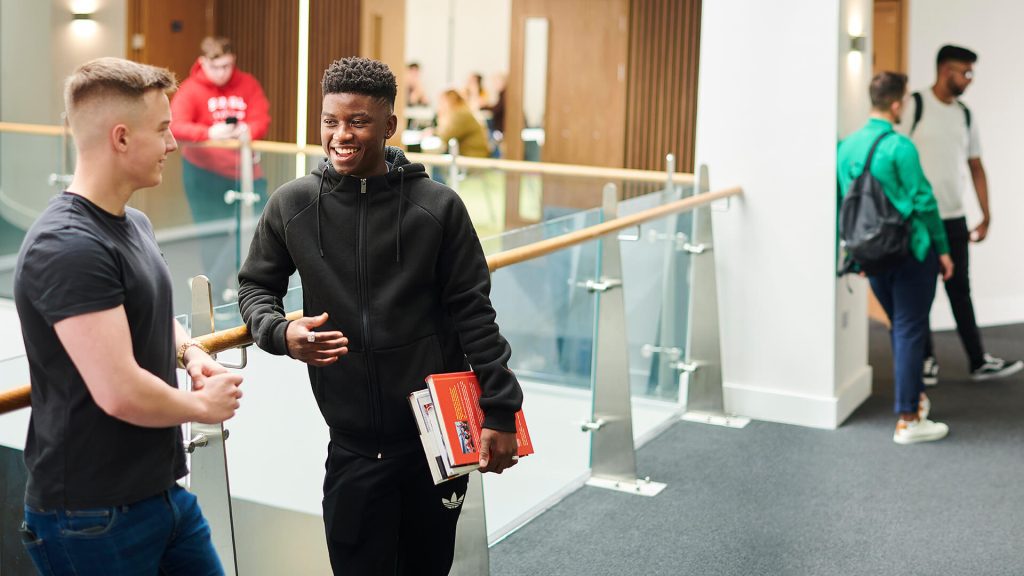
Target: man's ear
x,y
392,126
119,136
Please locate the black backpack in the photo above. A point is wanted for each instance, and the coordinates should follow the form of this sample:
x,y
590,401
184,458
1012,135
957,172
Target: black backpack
x,y
873,232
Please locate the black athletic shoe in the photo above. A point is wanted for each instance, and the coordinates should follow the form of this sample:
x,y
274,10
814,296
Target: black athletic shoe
x,y
996,368
930,371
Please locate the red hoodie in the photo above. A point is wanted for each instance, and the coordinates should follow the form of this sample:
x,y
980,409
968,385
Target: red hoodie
x,y
199,104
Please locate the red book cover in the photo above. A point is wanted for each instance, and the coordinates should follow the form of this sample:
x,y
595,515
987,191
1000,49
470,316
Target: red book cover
x,y
457,404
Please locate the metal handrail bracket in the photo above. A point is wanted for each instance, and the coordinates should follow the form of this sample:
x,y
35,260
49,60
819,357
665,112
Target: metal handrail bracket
x,y
612,452
208,479
701,376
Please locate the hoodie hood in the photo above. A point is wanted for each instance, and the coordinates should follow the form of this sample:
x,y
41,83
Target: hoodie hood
x,y
399,169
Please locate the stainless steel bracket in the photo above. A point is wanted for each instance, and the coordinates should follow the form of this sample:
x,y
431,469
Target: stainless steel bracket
x,y
602,285
612,452
208,479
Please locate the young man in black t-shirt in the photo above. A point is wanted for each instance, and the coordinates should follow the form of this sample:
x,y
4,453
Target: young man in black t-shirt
x,y
93,294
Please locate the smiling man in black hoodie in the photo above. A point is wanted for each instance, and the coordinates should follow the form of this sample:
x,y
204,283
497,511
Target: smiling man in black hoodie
x,y
395,287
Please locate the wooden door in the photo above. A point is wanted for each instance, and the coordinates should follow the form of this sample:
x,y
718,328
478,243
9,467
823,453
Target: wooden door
x,y
890,34
587,57
168,34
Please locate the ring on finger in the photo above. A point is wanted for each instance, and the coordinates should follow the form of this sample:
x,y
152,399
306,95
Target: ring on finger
x,y
311,337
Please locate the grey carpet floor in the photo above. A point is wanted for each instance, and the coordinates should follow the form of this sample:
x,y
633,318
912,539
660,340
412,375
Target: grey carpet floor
x,y
774,499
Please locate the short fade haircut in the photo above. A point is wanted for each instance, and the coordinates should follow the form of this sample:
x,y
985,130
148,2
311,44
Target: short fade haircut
x,y
364,76
215,47
950,53
114,77
886,88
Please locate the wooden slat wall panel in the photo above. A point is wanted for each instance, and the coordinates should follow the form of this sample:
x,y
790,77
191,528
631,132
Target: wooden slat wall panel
x,y
664,43
264,34
333,34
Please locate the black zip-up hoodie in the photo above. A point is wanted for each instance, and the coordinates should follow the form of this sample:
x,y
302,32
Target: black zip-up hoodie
x,y
395,262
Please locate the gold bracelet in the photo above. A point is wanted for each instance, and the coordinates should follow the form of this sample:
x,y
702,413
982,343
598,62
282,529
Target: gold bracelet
x,y
184,347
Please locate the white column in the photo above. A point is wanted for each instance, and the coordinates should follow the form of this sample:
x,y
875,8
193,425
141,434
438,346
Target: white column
x,y
767,120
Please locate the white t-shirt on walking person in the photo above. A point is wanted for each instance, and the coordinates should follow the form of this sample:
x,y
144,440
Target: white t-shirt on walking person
x,y
944,144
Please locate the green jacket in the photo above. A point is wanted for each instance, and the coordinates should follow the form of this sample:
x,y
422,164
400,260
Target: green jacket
x,y
897,166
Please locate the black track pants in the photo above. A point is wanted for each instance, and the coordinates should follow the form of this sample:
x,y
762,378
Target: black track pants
x,y
958,288
386,517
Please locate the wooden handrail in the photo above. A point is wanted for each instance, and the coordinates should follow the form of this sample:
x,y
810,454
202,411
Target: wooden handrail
x,y
35,129
516,166
537,249
15,399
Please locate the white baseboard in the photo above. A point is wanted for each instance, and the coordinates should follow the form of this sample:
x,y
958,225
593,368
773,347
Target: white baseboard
x,y
828,412
989,311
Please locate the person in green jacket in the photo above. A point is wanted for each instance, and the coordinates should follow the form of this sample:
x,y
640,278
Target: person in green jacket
x,y
906,290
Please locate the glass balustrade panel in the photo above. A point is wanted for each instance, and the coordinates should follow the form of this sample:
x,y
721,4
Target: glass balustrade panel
x,y
548,317
656,280
33,168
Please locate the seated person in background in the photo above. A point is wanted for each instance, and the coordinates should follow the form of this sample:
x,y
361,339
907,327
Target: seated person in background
x,y
415,95
474,93
496,123
418,114
456,120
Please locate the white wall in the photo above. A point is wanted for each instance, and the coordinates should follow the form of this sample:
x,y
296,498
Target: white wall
x,y
480,42
767,120
39,47
852,372
992,29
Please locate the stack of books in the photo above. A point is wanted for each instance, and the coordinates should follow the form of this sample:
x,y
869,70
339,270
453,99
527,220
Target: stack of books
x,y
450,420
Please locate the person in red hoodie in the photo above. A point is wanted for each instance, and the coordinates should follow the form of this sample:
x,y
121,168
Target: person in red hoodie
x,y
218,102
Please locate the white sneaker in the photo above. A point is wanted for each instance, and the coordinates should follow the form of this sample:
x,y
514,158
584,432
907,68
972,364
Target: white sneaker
x,y
930,371
924,407
912,432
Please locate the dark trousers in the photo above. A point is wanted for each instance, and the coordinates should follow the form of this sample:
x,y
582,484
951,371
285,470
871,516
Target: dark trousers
x,y
386,516
958,288
906,293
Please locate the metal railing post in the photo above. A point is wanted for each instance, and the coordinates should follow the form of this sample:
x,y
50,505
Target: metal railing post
x,y
472,557
209,475
670,169
703,365
668,347
247,220
453,167
246,197
612,454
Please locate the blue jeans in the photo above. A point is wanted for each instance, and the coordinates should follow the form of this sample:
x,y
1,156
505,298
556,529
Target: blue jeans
x,y
164,535
906,293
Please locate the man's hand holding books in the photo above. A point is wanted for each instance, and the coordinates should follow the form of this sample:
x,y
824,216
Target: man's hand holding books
x,y
497,450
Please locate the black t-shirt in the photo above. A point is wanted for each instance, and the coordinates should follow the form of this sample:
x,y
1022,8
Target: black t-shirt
x,y
77,259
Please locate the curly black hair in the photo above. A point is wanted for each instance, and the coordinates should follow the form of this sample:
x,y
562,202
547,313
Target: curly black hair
x,y
360,76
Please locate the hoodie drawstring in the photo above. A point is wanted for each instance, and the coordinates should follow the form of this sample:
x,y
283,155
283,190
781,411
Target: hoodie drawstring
x,y
396,156
319,193
398,227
